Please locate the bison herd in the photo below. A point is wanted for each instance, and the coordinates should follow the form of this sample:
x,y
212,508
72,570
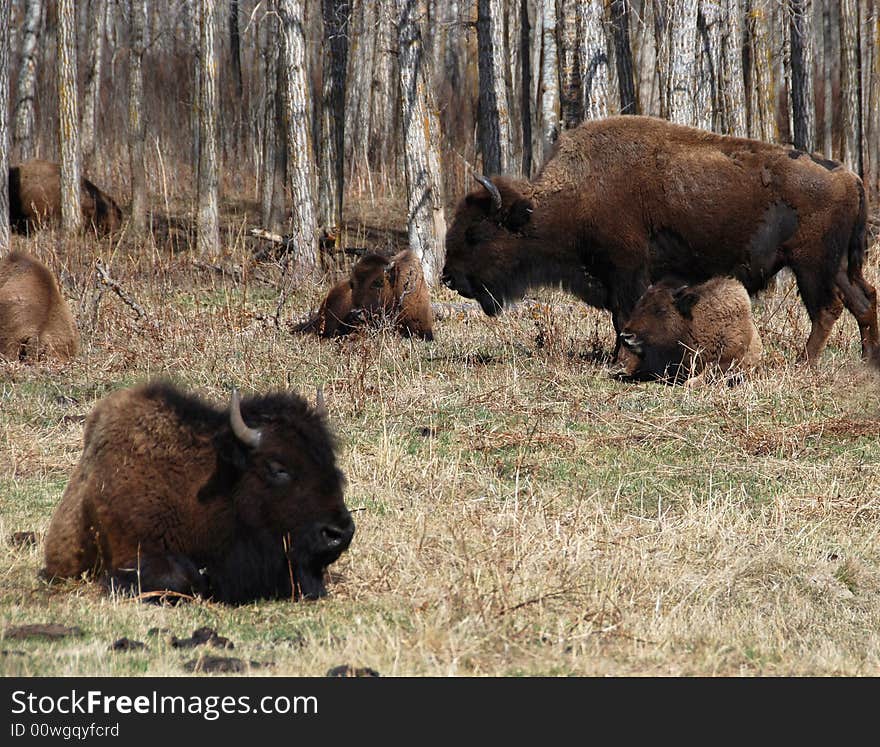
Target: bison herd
x,y
668,227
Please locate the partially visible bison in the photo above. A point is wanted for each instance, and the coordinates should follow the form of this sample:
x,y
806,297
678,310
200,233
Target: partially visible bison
x,y
677,331
378,288
626,201
35,199
174,495
34,317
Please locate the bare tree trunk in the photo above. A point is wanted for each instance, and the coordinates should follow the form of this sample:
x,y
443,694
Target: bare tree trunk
x,y
495,130
549,78
851,89
683,61
620,13
828,70
732,78
23,136
68,121
800,74
208,221
594,62
268,196
383,110
869,31
525,51
93,79
571,88
761,80
300,158
193,12
358,106
235,47
4,127
136,127
421,134
337,14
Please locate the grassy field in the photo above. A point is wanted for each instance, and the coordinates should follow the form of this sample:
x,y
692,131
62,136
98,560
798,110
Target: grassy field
x,y
518,511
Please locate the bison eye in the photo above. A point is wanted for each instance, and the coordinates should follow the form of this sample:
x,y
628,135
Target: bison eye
x,y
378,284
278,473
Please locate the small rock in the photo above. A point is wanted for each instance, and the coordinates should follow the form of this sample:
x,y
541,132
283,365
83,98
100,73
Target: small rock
x,y
127,644
345,670
47,631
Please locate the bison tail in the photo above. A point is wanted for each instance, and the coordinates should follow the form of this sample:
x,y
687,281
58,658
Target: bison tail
x,y
858,240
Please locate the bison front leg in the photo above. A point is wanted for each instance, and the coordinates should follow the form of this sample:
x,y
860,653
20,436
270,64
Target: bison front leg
x,y
159,578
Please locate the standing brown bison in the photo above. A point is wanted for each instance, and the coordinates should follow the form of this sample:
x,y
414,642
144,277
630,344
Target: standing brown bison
x,y
628,200
172,494
676,331
378,288
34,317
35,199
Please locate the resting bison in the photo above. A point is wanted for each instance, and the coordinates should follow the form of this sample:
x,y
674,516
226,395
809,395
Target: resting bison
x,y
378,288
172,494
34,317
677,331
35,199
625,201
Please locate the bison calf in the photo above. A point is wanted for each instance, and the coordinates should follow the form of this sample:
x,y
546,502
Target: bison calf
x,y
378,288
675,331
35,199
34,317
174,495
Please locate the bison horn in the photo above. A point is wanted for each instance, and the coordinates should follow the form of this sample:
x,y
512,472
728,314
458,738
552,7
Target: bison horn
x,y
491,189
320,407
248,436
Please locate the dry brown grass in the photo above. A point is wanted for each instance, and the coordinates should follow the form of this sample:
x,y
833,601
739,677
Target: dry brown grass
x,y
518,511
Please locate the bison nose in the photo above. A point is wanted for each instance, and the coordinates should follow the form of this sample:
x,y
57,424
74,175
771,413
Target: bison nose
x,y
337,535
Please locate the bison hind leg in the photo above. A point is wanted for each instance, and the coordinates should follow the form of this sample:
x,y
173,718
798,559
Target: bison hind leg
x,y
158,578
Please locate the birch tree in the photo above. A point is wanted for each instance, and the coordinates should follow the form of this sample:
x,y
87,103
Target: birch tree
x,y
273,145
23,135
594,59
421,133
525,28
68,122
235,47
850,85
136,125
208,231
337,14
4,127
300,155
549,78
93,78
494,119
681,31
760,78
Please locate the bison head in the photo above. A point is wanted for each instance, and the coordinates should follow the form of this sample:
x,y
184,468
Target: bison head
x,y
651,341
372,293
288,483
479,264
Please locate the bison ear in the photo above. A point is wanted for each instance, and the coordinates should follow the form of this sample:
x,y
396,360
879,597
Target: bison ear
x,y
520,214
685,300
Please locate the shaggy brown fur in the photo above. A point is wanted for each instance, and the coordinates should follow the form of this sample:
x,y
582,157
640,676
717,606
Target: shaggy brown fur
x,y
34,317
378,288
628,200
35,199
677,331
168,496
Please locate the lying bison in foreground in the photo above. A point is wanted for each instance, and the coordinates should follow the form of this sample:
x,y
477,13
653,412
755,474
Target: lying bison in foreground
x,y
35,199
378,288
172,494
678,331
34,317
625,201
